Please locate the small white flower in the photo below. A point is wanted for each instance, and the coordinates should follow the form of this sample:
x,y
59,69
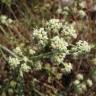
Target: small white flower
x,y
58,58
81,47
78,89
9,21
38,65
82,13
41,36
76,82
42,43
69,30
66,8
58,43
79,77
18,51
31,51
83,4
14,62
25,59
54,25
83,86
67,67
25,67
59,10
89,82
3,19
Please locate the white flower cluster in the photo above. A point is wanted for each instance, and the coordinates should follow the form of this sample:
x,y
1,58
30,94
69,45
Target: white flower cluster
x,y
69,30
5,20
67,67
89,82
80,88
82,13
38,65
81,48
54,25
64,11
80,85
32,52
25,67
41,36
79,76
58,58
58,43
16,61
82,4
18,51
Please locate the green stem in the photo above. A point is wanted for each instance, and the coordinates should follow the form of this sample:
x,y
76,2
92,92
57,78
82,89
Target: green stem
x,y
21,85
7,50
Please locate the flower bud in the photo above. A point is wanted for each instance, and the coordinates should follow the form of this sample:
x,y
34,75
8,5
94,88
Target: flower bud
x,y
89,82
76,82
79,76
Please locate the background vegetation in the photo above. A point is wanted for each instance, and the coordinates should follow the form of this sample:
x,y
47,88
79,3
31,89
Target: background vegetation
x,y
18,19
